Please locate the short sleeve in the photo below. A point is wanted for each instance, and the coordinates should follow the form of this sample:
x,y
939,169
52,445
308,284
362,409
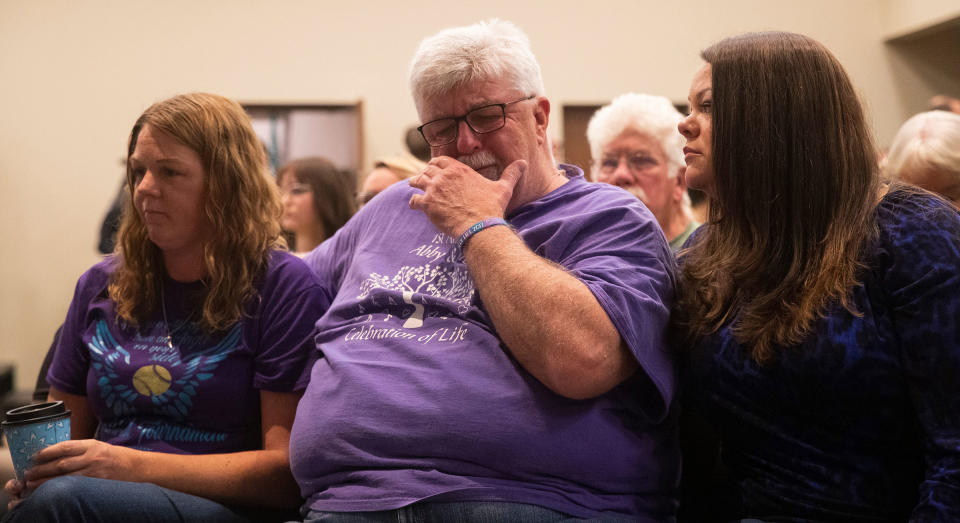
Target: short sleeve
x,y
71,360
629,269
331,260
328,262
922,282
292,302
606,238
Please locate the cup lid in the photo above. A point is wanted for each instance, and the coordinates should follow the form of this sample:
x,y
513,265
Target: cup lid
x,y
36,411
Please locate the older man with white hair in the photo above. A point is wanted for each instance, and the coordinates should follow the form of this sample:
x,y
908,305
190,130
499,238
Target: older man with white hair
x,y
635,145
494,349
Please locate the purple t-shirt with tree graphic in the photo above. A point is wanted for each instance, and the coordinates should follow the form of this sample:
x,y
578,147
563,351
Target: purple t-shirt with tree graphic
x,y
417,399
199,393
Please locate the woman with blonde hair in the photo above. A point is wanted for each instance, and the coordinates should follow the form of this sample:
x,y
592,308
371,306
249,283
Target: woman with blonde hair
x,y
818,308
386,172
926,153
183,355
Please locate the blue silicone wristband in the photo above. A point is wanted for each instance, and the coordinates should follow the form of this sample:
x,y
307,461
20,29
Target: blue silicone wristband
x,y
477,227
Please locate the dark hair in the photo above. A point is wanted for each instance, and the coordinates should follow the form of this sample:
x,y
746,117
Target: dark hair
x,y
696,196
333,190
795,186
417,146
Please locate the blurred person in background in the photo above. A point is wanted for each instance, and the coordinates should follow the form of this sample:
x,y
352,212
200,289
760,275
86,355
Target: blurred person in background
x,y
417,146
926,153
387,172
111,222
635,145
317,200
942,102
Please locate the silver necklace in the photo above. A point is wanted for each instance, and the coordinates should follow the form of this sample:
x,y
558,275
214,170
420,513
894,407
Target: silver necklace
x,y
166,324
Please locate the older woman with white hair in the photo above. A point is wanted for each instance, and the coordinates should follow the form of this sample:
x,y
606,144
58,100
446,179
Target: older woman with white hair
x,y
635,145
926,153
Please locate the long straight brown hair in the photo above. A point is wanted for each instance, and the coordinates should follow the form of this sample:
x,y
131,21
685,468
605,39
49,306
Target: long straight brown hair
x,y
796,183
241,203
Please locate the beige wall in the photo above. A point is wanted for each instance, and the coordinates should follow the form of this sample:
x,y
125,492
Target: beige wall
x,y
923,47
75,75
901,17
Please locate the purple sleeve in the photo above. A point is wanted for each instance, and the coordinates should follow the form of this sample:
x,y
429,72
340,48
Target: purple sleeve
x,y
71,360
622,257
292,303
326,263
331,260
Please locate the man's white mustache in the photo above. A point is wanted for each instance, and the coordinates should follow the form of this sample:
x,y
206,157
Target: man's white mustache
x,y
478,159
636,191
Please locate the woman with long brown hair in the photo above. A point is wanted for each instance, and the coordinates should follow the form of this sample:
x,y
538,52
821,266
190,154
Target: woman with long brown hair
x,y
317,200
183,355
818,309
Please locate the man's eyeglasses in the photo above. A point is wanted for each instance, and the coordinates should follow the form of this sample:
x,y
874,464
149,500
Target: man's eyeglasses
x,y
481,120
636,162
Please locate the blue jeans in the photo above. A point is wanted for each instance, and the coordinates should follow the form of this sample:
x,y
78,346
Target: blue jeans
x,y
456,512
79,498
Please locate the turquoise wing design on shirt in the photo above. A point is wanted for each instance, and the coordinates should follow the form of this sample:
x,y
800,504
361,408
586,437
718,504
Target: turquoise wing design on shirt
x,y
118,391
177,400
105,352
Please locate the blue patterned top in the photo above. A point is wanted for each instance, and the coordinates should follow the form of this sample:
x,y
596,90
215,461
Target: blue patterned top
x,y
861,422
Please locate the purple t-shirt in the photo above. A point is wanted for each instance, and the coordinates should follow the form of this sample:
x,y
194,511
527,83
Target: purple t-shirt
x,y
416,397
202,395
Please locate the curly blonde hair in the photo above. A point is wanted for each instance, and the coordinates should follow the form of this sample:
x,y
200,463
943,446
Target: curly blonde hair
x,y
241,204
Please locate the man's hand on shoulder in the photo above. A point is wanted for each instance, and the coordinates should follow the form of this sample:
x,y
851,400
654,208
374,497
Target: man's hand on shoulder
x,y
456,197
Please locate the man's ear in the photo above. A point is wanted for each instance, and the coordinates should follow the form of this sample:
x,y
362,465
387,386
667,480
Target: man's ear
x,y
541,114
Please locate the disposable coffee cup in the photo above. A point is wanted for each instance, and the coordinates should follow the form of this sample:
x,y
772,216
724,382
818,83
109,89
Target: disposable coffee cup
x,y
33,427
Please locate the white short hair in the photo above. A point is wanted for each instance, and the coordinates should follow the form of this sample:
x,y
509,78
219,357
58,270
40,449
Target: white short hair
x,y
926,142
654,116
486,51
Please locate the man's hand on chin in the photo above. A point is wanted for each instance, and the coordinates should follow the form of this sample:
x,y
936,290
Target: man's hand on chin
x,y
456,197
